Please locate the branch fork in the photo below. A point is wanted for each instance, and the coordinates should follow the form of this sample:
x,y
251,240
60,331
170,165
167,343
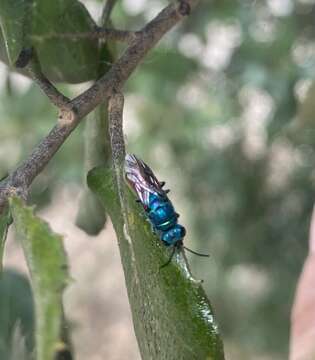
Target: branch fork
x,y
71,112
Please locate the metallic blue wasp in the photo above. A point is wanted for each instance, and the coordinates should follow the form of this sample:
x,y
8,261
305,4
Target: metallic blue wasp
x,y
157,205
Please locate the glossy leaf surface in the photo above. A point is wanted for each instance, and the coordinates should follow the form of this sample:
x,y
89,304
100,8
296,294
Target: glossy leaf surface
x,y
15,26
171,313
41,24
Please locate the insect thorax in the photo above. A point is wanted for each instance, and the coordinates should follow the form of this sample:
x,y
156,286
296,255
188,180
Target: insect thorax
x,y
164,219
161,212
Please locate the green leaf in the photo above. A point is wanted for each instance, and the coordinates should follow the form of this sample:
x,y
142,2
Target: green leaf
x,y
47,264
16,316
91,216
172,315
14,22
4,224
61,59
67,60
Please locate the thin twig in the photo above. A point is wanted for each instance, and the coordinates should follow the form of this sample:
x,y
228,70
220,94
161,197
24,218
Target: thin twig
x,y
55,96
107,86
24,175
107,10
116,77
115,114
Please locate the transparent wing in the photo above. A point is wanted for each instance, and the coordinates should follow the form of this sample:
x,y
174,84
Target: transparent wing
x,y
141,178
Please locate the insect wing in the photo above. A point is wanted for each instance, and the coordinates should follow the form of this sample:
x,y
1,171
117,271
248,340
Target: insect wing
x,y
141,179
147,174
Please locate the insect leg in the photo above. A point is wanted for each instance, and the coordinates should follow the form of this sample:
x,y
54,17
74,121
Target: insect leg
x,y
152,228
170,258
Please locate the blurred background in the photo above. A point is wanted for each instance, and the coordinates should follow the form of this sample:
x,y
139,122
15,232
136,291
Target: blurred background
x,y
222,110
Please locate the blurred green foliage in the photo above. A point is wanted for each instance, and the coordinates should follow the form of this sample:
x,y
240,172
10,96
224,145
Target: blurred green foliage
x,y
26,117
214,107
16,316
211,109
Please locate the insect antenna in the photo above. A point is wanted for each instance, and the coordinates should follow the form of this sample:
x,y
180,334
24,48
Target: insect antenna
x,y
170,258
196,253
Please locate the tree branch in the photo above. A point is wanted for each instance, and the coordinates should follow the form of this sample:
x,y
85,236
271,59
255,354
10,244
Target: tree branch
x,y
115,113
116,77
108,85
55,96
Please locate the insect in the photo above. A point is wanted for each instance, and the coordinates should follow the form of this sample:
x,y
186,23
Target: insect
x,y
157,206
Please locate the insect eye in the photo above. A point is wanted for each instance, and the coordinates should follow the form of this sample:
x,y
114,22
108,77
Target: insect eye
x,y
182,232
